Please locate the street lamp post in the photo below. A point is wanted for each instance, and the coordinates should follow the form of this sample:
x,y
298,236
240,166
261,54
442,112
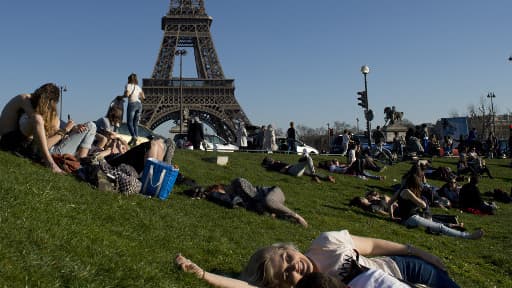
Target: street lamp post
x,y
365,70
181,52
492,95
62,89
328,136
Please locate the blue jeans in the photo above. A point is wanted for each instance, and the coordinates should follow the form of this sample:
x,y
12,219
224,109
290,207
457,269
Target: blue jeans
x,y
133,117
418,271
291,146
71,143
416,220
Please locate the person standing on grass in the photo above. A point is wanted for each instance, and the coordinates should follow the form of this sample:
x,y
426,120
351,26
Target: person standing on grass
x,y
195,133
291,137
241,136
269,141
134,93
345,141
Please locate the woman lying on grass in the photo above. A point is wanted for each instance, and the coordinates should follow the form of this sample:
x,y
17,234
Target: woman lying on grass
x,y
333,253
241,192
376,203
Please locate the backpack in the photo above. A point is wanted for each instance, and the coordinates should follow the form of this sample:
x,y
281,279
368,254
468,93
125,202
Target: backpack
x,y
67,162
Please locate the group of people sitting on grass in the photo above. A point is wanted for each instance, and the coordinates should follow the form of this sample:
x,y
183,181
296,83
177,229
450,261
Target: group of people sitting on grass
x,y
30,126
410,204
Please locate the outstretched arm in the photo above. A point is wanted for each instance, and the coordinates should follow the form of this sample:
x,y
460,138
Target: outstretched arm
x,y
378,247
211,278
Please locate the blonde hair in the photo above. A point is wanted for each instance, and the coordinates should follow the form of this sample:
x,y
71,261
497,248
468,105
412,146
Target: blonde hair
x,y
44,101
259,270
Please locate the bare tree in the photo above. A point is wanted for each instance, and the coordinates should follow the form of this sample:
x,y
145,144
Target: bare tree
x,y
340,126
480,116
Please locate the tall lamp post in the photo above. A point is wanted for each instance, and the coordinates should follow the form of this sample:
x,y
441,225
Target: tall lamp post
x,y
181,52
368,114
62,90
492,95
328,137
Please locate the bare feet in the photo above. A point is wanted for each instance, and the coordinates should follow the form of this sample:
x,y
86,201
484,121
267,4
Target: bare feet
x,y
300,220
331,179
55,168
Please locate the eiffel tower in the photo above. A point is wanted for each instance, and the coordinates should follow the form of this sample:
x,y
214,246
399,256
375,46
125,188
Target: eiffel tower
x,y
210,96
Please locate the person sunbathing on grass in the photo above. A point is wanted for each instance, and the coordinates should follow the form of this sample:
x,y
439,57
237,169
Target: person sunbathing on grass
x,y
241,193
305,166
354,169
283,266
376,203
411,206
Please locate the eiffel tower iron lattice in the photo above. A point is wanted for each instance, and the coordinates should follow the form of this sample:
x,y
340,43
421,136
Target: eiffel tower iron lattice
x,y
210,96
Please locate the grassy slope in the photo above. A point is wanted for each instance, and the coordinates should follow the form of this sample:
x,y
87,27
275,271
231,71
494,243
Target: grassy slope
x,y
56,231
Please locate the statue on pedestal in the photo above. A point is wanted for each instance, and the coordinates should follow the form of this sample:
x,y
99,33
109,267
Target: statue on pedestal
x,y
392,116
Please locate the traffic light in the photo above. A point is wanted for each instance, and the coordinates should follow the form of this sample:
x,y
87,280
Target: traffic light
x,y
363,99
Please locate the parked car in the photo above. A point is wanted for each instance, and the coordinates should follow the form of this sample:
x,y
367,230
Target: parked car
x,y
336,147
282,146
213,143
145,134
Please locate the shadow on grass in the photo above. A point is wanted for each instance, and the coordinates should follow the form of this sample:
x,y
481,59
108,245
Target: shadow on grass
x,y
380,188
345,209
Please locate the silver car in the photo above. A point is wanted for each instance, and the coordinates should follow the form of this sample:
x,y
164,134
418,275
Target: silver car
x,y
210,143
282,144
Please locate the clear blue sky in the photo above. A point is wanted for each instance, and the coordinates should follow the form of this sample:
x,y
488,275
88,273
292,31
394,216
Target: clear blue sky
x,y
291,59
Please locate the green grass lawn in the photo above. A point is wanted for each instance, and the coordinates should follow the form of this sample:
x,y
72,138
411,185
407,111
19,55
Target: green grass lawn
x,y
59,232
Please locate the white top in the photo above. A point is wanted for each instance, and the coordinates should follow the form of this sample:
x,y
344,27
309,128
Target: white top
x,y
375,278
345,139
332,252
133,92
351,156
25,125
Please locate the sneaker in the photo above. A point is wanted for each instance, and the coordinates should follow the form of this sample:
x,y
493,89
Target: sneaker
x,y
476,235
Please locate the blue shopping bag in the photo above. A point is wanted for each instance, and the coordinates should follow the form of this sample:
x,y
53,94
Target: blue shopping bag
x,y
158,178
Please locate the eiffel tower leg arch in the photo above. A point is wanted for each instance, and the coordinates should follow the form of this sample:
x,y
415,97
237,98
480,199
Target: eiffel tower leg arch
x,y
217,120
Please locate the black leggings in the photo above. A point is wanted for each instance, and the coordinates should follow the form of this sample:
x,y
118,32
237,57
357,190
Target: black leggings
x,y
134,157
